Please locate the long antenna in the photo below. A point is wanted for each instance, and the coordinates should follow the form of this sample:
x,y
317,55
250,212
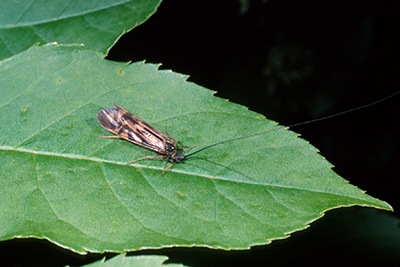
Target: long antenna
x,y
295,124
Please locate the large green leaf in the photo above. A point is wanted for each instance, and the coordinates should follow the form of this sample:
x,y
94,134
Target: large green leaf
x,y
62,183
97,24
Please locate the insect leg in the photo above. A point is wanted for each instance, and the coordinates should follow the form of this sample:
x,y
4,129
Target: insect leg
x,y
114,136
165,131
176,141
146,157
153,157
172,164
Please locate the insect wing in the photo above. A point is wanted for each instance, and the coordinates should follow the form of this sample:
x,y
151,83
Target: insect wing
x,y
108,118
127,126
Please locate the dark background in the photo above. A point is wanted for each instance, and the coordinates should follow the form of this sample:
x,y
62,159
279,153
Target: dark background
x,y
292,61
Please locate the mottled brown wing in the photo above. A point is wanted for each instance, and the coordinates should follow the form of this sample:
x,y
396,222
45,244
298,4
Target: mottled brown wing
x,y
125,125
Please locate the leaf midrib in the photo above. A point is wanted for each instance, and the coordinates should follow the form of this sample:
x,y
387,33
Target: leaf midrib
x,y
97,160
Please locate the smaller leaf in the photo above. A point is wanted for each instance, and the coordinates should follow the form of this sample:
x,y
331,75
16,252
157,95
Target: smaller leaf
x,y
134,261
97,24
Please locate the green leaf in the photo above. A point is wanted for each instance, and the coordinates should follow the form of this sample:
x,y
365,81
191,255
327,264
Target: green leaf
x,y
97,24
134,261
62,183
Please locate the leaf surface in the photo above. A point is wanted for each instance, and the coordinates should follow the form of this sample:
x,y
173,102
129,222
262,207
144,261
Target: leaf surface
x,y
59,181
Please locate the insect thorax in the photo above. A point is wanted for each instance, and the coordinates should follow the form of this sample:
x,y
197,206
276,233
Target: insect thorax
x,y
169,148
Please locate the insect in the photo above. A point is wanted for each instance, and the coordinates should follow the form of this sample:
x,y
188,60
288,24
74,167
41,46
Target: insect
x,y
125,125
